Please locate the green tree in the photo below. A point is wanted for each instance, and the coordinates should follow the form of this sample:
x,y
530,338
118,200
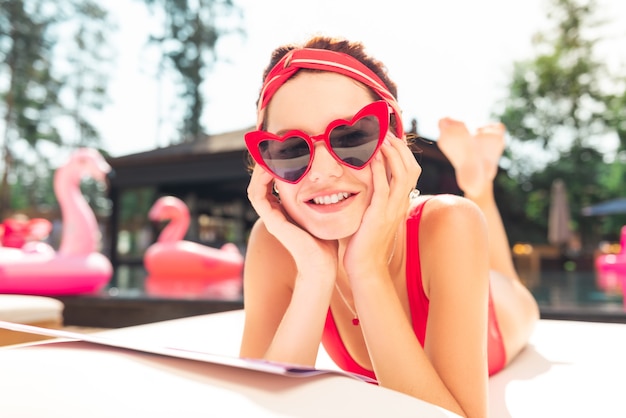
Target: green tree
x,y
87,61
39,82
188,45
557,113
31,91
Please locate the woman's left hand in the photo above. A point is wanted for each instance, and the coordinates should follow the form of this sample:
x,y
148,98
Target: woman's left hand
x,y
395,172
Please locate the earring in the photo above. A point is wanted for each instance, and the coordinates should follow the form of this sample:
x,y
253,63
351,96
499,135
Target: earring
x,y
275,192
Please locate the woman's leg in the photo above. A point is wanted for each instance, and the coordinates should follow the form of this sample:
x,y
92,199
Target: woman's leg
x,y
475,160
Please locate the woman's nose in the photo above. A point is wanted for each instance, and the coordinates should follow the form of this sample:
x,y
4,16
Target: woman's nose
x,y
324,164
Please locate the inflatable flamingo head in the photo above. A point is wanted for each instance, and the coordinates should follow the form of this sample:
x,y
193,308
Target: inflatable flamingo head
x,y
174,210
168,207
89,163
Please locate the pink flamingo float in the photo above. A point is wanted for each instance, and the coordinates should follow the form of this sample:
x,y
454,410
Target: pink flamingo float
x,y
611,268
179,267
77,267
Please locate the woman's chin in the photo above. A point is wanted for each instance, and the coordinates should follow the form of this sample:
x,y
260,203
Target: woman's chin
x,y
328,227
332,234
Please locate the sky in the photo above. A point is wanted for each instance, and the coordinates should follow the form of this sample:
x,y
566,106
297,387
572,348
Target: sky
x,y
449,58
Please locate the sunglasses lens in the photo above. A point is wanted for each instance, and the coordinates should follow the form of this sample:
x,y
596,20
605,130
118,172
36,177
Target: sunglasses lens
x,y
356,144
287,159
353,143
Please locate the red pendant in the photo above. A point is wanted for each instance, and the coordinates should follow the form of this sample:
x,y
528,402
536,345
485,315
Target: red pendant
x,y
355,321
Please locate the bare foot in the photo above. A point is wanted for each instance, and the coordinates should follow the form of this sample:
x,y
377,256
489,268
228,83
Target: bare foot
x,y
474,157
461,148
491,142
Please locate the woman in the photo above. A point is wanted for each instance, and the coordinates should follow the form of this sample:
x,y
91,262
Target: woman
x,y
402,288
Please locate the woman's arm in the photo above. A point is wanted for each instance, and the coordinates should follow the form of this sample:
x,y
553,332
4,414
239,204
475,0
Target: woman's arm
x,y
455,271
451,370
285,311
288,280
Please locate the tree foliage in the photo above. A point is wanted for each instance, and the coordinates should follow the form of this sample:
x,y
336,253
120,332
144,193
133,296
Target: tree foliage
x,y
87,59
188,45
43,83
31,87
559,115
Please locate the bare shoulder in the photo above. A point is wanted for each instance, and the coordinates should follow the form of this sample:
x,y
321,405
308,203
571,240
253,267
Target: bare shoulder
x,y
448,217
266,257
261,240
259,234
448,206
451,228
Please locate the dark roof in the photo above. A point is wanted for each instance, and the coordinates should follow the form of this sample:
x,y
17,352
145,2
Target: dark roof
x,y
213,158
208,144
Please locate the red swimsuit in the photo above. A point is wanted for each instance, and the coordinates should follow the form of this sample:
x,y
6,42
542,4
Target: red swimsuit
x,y
419,303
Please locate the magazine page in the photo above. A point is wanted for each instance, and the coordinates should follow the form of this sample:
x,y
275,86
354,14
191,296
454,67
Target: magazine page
x,y
250,364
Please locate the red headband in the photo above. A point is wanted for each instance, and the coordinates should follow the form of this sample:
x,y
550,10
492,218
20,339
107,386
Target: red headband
x,y
325,60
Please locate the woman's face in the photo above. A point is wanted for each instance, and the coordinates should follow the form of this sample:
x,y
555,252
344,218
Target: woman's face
x,y
330,200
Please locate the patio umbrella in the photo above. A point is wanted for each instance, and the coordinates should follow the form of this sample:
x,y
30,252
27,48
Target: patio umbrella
x,y
608,207
559,231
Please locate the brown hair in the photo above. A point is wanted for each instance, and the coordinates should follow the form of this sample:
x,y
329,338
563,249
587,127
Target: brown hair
x,y
352,48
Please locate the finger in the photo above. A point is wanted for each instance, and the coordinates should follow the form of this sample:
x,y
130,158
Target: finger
x,y
404,169
383,215
260,184
409,163
379,180
404,181
260,191
269,208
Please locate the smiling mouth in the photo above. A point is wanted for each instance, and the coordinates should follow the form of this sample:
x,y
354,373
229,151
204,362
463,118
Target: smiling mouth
x,y
330,199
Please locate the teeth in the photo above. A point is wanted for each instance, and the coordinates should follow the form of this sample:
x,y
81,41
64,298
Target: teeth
x,y
330,199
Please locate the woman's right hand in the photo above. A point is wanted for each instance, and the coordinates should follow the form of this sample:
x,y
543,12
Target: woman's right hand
x,y
289,277
309,253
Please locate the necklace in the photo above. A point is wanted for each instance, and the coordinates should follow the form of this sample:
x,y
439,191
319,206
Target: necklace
x,y
355,316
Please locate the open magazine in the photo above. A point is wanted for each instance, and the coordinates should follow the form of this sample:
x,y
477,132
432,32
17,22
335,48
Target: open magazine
x,y
283,369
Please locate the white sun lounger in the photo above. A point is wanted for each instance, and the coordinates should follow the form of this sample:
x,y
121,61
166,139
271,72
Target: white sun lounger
x,y
570,369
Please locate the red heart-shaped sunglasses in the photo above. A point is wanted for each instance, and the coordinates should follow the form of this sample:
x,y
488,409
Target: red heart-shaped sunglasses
x,y
352,143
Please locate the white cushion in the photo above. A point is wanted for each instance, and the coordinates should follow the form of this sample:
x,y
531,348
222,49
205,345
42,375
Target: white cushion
x,y
25,309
